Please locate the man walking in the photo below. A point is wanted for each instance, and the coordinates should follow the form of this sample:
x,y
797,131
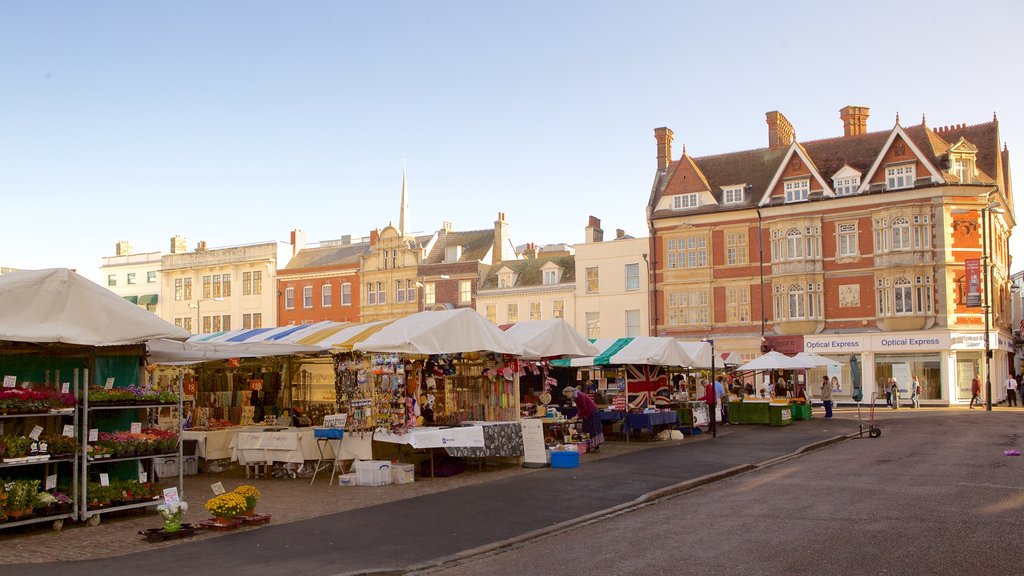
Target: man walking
x,y
1011,391
975,392
710,397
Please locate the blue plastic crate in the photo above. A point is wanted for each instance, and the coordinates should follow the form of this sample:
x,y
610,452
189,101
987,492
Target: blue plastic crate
x,y
328,432
565,459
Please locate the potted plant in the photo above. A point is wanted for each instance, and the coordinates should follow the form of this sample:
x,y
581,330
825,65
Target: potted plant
x,y
3,501
19,502
44,504
252,497
172,515
64,502
17,447
226,506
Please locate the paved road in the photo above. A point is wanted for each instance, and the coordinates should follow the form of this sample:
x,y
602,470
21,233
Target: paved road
x,y
935,494
420,530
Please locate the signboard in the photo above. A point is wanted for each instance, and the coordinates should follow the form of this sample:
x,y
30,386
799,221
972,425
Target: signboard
x,y
10,381
837,344
171,497
972,272
255,384
533,442
190,386
218,488
835,378
619,403
109,383
335,420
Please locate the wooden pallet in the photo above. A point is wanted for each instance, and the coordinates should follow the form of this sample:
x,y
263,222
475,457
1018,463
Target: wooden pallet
x,y
254,520
214,525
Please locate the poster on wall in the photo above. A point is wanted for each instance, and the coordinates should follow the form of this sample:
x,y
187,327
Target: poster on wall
x,y
835,378
901,372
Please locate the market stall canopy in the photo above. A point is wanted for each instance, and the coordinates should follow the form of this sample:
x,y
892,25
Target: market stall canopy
x,y
164,351
441,332
700,353
776,361
549,338
58,305
817,359
652,351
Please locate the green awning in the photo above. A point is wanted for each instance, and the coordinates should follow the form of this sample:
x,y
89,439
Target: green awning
x,y
148,299
132,299
604,358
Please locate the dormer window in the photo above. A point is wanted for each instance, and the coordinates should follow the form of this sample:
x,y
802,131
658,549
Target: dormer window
x,y
732,195
506,279
550,277
797,190
684,201
899,177
846,186
452,253
963,169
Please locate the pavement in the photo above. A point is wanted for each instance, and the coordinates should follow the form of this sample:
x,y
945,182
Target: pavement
x,y
428,528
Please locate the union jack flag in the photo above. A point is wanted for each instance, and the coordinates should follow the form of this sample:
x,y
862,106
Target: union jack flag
x,y
648,385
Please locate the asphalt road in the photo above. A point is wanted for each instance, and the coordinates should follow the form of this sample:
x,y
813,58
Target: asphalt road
x,y
419,531
935,494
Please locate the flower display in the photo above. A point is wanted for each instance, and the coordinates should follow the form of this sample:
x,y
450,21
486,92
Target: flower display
x,y
250,493
149,441
131,395
26,401
227,505
172,515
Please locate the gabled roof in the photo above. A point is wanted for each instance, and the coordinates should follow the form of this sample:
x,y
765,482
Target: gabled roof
x,y
929,164
757,168
529,271
476,244
325,256
796,148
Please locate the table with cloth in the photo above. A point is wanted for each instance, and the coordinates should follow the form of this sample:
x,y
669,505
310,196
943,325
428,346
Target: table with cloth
x,y
431,437
650,421
213,444
291,445
501,439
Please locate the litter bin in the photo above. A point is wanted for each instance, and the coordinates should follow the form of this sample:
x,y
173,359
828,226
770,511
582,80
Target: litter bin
x,y
780,415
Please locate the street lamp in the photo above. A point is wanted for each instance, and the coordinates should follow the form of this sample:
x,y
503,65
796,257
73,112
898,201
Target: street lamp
x,y
991,208
199,315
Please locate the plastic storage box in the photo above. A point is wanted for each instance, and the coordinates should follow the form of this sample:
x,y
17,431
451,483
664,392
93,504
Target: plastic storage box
x,y
373,472
328,432
347,480
403,473
565,459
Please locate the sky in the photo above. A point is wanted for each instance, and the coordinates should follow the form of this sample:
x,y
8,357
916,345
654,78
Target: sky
x,y
237,122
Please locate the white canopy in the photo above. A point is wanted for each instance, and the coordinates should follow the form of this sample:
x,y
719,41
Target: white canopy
x,y
700,353
547,338
817,359
441,332
653,351
58,305
776,361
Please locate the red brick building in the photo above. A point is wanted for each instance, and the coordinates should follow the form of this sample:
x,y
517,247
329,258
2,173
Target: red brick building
x,y
321,283
847,245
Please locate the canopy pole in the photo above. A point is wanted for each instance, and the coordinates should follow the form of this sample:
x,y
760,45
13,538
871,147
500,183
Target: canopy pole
x,y
625,420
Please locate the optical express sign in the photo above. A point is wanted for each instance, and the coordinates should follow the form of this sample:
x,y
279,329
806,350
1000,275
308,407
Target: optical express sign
x,y
916,342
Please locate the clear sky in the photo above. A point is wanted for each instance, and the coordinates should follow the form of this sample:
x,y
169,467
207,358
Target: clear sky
x,y
236,122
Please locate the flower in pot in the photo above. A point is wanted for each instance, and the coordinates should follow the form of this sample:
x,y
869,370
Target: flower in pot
x,y
63,501
44,503
172,515
251,495
226,506
17,446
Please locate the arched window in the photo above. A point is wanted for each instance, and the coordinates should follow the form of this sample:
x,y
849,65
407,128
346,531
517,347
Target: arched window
x,y
900,234
903,302
796,301
794,244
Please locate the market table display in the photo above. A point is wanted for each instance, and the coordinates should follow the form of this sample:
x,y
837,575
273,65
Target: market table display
x,y
501,439
291,445
213,444
431,437
780,414
754,411
650,421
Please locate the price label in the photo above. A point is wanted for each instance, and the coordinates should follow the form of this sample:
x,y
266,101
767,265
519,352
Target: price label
x,y
218,488
10,381
143,477
104,479
94,434
110,383
136,428
51,482
69,431
171,496
65,388
36,431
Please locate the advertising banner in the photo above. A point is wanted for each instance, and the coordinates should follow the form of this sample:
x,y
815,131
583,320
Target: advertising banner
x,y
972,268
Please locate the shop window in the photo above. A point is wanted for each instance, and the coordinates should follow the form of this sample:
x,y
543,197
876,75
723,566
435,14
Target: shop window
x,y
903,367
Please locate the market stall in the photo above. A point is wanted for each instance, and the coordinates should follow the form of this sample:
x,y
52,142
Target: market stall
x,y
764,406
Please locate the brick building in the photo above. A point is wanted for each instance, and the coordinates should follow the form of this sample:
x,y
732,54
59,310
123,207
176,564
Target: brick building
x,y
322,283
854,245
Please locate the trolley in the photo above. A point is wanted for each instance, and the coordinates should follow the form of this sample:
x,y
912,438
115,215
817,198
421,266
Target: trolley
x,y
873,430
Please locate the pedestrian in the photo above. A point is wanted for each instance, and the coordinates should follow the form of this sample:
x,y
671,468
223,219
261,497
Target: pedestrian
x,y
888,392
586,412
826,396
915,393
895,394
710,399
975,391
780,387
1011,391
723,398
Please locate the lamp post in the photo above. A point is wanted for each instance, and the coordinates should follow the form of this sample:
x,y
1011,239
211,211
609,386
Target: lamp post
x,y
199,315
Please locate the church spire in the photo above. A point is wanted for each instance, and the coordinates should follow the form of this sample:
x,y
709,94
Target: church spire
x,y
403,216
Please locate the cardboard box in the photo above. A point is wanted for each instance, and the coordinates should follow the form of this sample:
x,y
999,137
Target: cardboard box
x,y
403,473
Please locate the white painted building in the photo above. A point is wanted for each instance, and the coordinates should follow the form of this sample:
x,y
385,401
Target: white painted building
x,y
612,300
134,277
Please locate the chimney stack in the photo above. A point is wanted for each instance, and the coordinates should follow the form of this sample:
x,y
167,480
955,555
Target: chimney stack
x,y
855,119
500,250
780,131
374,237
298,238
446,226
620,233
201,246
178,245
123,248
346,239
593,233
664,137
